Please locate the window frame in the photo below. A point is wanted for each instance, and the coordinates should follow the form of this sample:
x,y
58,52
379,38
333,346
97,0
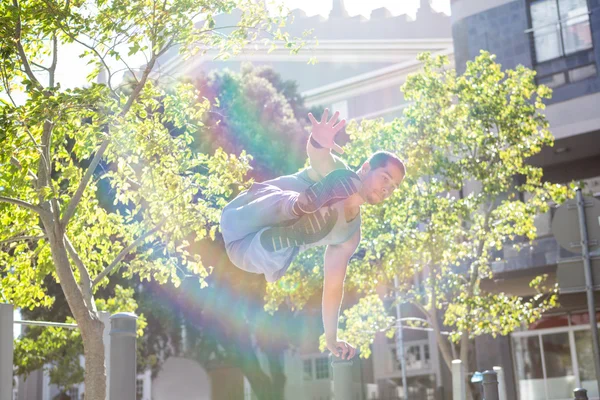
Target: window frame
x,y
565,74
530,31
570,330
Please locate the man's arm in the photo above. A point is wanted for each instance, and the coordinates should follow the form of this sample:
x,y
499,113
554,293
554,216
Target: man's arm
x,y
336,263
320,143
322,161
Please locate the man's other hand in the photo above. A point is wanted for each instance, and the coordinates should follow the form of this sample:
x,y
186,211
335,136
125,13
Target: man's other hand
x,y
341,349
324,132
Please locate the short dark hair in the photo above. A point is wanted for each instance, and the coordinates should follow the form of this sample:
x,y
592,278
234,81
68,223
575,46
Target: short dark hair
x,y
381,158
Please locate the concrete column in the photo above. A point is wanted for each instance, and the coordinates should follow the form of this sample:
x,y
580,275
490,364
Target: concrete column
x,y
6,351
122,356
501,383
490,385
342,378
105,318
459,391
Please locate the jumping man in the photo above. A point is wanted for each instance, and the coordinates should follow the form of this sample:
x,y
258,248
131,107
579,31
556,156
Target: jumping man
x,y
265,227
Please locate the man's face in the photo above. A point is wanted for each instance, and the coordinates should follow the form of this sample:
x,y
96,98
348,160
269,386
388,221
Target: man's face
x,y
379,184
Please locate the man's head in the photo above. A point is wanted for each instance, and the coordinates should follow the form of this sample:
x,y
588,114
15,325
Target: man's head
x,y
381,174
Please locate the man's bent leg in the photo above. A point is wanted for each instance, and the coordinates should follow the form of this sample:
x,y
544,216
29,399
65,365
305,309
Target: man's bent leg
x,y
260,207
249,255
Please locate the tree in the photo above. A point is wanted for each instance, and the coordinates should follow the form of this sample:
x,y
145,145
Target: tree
x,y
52,145
257,112
221,319
469,191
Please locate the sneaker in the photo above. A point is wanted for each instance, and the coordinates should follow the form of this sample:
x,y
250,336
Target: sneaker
x,y
337,185
308,229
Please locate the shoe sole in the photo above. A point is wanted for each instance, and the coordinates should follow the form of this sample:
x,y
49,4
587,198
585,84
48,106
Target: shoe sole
x,y
337,185
309,229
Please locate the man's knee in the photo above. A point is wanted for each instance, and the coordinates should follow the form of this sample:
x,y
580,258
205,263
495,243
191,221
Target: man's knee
x,y
225,224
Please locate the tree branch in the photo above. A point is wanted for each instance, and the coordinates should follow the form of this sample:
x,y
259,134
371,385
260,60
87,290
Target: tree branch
x,y
24,204
20,49
84,275
21,238
52,68
70,211
126,251
98,156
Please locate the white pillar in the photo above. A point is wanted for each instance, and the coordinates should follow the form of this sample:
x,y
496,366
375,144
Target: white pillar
x,y
501,383
342,378
459,391
123,363
105,318
6,351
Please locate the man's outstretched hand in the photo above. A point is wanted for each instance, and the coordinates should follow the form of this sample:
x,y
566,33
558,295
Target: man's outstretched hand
x,y
341,349
324,132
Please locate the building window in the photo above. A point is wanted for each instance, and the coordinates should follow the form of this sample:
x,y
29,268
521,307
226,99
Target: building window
x,y
559,28
308,374
73,393
322,368
417,356
550,363
139,389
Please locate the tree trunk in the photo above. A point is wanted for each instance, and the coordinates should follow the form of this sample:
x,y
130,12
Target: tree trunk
x,y
89,324
464,357
261,383
93,350
277,375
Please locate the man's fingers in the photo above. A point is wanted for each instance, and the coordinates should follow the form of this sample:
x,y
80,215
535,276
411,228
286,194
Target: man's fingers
x,y
334,118
352,352
345,352
324,116
339,125
337,149
312,119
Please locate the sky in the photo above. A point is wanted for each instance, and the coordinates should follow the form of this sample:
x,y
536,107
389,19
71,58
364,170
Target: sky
x,y
72,71
355,7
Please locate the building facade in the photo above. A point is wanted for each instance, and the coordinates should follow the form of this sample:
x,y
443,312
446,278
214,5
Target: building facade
x,y
560,40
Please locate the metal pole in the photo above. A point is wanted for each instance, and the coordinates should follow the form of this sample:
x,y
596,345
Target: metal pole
x,y
6,351
589,283
400,342
342,378
490,385
459,391
501,383
580,394
122,356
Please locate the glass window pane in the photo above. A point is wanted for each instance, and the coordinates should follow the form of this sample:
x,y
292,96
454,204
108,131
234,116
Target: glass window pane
x,y
552,81
308,370
585,360
530,374
578,74
322,368
577,35
546,36
572,8
560,377
576,31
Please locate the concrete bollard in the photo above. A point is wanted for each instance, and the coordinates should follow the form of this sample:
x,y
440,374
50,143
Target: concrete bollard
x,y
342,378
6,351
123,364
501,383
459,390
490,385
580,394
